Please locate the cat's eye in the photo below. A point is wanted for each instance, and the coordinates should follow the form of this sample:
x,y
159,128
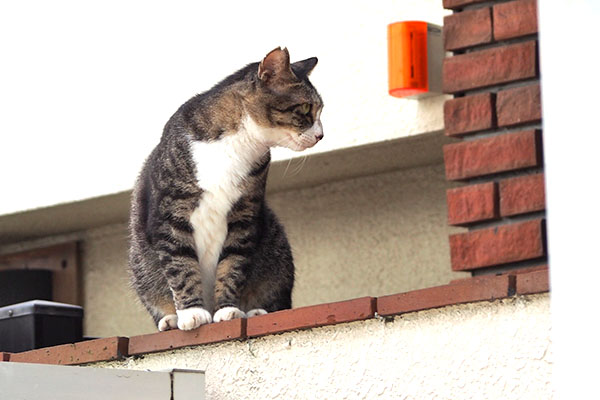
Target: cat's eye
x,y
304,108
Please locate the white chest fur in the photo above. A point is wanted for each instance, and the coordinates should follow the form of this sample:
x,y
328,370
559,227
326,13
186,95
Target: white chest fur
x,y
221,165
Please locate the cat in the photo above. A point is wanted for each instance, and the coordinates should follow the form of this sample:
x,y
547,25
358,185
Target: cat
x,y
204,245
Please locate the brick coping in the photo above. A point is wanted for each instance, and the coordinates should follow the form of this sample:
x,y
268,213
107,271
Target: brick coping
x,y
474,289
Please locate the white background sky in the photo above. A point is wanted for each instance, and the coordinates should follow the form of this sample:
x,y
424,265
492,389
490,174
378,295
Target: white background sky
x,y
571,148
87,86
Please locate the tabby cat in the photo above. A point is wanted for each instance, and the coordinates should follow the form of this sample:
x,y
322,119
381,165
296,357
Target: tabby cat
x,y
204,245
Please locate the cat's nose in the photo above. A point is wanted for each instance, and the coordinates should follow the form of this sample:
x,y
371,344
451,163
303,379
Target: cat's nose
x,y
319,136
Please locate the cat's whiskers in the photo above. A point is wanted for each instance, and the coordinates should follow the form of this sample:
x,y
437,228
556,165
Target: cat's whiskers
x,y
300,165
287,167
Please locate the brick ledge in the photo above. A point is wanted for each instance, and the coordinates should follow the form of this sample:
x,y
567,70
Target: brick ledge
x,y
106,349
481,288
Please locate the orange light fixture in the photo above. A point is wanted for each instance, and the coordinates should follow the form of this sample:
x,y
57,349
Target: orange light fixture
x,y
414,59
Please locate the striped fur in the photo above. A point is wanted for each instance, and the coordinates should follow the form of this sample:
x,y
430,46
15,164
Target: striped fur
x,y
204,244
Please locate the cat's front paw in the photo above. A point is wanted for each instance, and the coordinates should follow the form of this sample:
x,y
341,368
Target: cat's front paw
x,y
255,312
192,317
228,313
167,322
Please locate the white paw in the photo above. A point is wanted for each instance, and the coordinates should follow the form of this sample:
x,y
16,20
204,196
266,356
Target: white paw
x,y
255,312
167,322
192,317
228,313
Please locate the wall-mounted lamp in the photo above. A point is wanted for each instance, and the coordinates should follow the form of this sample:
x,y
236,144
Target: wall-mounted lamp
x,y
415,54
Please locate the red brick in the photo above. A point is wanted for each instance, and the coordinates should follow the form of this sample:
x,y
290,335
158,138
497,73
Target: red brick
x,y
489,67
469,114
454,4
4,356
533,282
312,316
525,270
88,351
500,153
174,339
470,290
522,194
514,19
467,28
472,203
498,245
519,105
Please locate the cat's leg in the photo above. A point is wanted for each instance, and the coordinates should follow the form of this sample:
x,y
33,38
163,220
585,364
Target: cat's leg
x,y
153,289
183,275
271,278
238,248
229,280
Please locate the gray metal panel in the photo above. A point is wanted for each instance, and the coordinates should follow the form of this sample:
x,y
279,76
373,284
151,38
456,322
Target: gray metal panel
x,y
188,385
50,382
40,307
435,58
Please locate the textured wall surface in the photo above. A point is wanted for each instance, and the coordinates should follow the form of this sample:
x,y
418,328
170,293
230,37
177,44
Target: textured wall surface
x,y
373,236
488,350
111,307
369,236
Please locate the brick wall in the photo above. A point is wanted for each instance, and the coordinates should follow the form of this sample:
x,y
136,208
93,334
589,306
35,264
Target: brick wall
x,y
496,116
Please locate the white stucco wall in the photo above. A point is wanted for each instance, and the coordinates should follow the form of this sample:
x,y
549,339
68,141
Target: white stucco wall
x,y
487,350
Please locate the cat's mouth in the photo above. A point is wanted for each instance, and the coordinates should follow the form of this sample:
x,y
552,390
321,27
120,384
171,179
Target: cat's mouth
x,y
307,139
301,143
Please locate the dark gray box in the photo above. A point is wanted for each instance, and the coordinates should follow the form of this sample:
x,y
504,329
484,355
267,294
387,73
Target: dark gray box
x,y
19,285
39,323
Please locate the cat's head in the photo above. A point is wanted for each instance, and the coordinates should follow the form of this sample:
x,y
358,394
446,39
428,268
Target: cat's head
x,y
286,107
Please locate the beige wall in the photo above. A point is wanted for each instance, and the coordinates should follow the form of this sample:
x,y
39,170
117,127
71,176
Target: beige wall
x,y
368,236
375,235
111,307
487,350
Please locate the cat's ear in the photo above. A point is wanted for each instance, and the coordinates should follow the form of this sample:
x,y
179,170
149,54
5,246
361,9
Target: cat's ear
x,y
275,66
303,68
